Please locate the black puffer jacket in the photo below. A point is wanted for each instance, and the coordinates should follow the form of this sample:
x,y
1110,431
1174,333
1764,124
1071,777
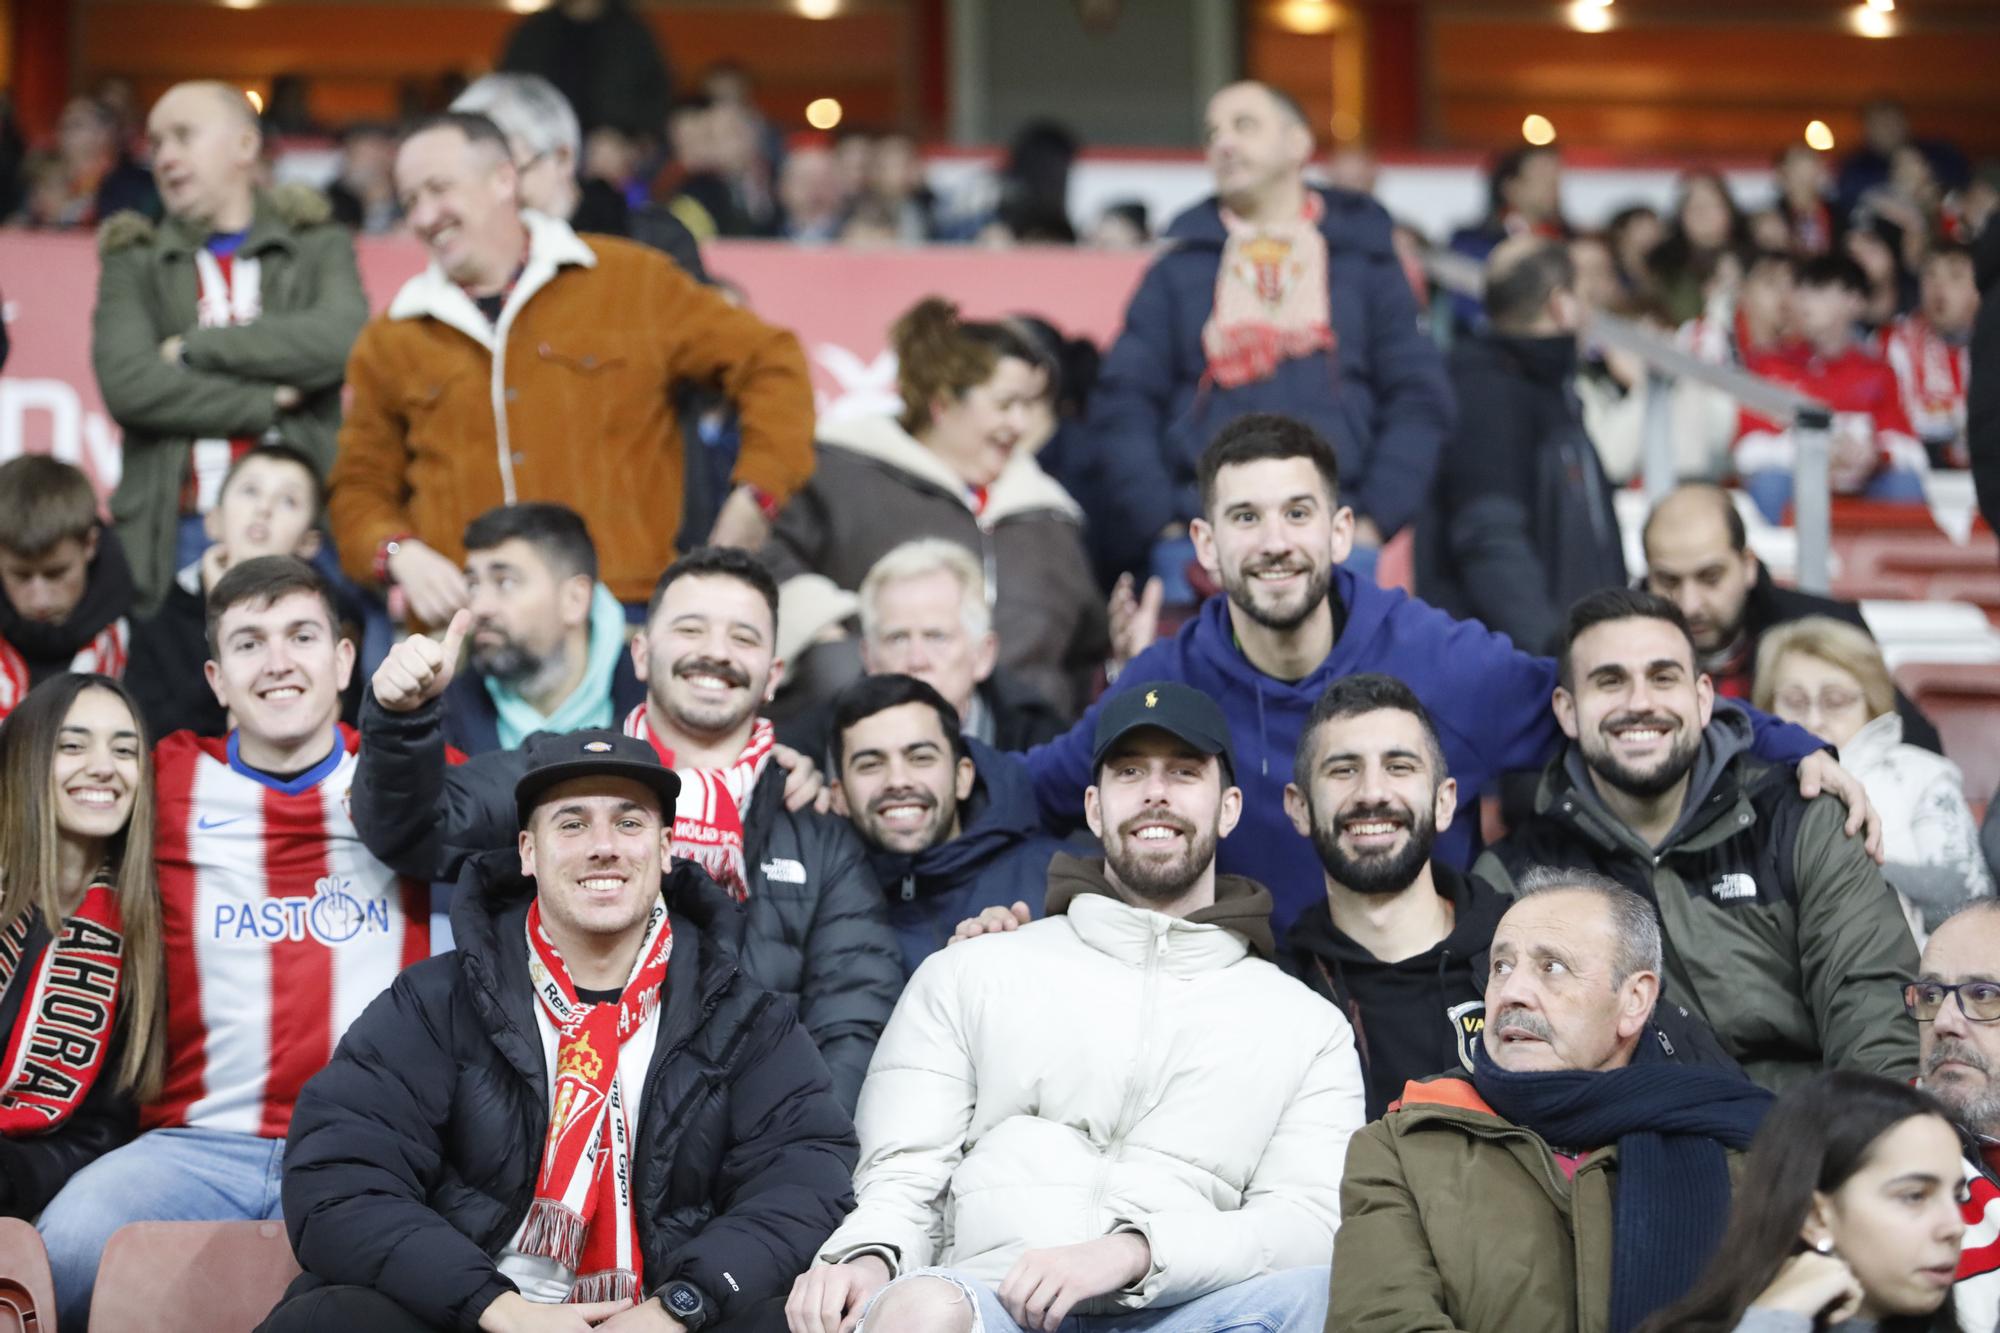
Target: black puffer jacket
x,y
817,929
412,1156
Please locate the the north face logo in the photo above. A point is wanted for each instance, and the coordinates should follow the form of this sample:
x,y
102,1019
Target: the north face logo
x,y
1732,888
784,870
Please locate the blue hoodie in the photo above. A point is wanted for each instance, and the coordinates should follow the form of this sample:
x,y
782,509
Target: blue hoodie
x,y
999,857
1489,700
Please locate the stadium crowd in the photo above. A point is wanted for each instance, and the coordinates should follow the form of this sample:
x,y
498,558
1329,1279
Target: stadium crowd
x,y
571,889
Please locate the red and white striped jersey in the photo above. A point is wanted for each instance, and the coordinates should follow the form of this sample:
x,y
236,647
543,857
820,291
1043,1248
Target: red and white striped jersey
x,y
106,655
229,290
1977,1290
279,927
1933,371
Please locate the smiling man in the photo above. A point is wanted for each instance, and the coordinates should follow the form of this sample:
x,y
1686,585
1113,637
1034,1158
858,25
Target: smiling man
x,y
1453,1219
1781,933
278,926
638,1139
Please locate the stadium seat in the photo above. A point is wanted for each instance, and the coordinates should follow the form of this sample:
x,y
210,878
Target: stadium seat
x,y
1981,589
191,1277
27,1291
1963,700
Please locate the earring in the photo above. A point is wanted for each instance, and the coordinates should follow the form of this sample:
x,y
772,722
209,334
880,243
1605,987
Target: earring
x,y
1824,1245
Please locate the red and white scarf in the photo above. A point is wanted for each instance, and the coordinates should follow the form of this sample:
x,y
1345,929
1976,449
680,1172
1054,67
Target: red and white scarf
x,y
1933,372
106,655
229,290
582,1216
708,817
1272,303
57,1048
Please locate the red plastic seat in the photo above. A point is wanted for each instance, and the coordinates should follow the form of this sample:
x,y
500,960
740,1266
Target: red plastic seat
x,y
27,1290
191,1277
1964,703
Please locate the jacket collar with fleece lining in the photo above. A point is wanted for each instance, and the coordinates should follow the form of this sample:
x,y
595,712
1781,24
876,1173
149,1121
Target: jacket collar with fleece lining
x,y
1236,925
1021,488
432,295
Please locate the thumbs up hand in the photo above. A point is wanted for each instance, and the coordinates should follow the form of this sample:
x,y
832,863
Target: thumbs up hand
x,y
419,669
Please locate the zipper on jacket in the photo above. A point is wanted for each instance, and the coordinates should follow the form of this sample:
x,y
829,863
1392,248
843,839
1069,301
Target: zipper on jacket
x,y
1128,1110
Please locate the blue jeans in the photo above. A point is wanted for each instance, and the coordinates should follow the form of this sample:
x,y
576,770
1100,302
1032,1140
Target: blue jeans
x,y
1283,1302
165,1175
1771,489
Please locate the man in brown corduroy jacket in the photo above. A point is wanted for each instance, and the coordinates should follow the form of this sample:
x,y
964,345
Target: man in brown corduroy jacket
x,y
526,363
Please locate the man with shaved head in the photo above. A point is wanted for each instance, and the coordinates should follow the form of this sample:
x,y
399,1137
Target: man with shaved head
x,y
1698,557
1272,296
225,326
1521,523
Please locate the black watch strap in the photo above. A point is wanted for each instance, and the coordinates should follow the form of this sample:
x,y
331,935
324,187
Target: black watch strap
x,y
686,1303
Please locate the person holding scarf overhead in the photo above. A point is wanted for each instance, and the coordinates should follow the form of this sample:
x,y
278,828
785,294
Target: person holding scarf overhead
x,y
81,981
585,1115
1578,1179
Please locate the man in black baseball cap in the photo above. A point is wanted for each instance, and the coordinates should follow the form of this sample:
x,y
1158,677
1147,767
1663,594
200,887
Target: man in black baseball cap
x,y
587,1103
1171,707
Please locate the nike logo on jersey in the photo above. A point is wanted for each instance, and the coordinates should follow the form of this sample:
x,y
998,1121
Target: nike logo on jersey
x,y
205,823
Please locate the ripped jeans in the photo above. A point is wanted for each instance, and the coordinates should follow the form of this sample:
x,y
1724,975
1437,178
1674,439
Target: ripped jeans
x,y
1291,1301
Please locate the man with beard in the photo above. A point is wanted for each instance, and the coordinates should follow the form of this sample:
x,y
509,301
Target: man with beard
x,y
1274,534
548,640
815,929
1955,1001
1054,1112
1781,933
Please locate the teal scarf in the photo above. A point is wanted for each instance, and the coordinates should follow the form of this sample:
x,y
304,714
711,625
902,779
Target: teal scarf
x,y
589,704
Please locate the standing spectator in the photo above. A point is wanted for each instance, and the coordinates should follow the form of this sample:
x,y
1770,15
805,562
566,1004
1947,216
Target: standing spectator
x,y
1523,194
1982,395
728,83
65,589
1707,224
1272,297
227,325
895,178
1034,184
363,195
97,177
1885,127
589,339
82,984
1812,226
952,466
602,57
1521,519
1632,233
1121,226
1930,350
1828,677
1873,451
1781,933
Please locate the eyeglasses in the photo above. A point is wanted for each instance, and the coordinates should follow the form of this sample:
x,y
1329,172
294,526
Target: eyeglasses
x,y
1979,1001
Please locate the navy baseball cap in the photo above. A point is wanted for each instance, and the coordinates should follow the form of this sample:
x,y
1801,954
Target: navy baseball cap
x,y
558,757
1176,709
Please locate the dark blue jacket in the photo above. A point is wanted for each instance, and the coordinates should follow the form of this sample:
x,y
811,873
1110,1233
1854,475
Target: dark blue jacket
x,y
1380,396
1489,700
999,857
472,721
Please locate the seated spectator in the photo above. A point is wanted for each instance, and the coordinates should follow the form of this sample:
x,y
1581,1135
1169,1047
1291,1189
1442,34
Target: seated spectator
x,y
815,930
894,178
723,183
1521,523
1573,1179
1890,292
278,927
549,642
1930,349
1873,451
1829,677
225,327
98,177
547,147
622,325
65,589
363,195
690,1211
1706,224
1885,127
270,504
1955,1002
1782,934
1121,226
1698,557
951,466
1523,197
810,192
1846,1218
1073,1166
82,992
1812,226
1632,232
950,823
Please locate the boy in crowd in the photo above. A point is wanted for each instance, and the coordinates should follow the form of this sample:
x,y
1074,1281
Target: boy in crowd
x,y
1930,349
65,589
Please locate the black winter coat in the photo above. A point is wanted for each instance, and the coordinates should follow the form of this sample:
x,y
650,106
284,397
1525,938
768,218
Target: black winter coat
x,y
412,1156
816,929
1520,522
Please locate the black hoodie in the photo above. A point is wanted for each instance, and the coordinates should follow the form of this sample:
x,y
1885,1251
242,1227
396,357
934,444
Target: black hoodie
x,y
1414,1018
48,649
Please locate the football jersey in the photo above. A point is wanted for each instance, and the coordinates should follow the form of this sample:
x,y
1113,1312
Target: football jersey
x,y
1933,372
1857,385
279,928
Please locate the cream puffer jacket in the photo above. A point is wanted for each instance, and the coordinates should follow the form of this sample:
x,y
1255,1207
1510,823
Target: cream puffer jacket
x,y
1106,1069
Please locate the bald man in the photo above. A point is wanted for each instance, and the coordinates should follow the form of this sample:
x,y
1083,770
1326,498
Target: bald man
x,y
1272,296
1520,523
1698,557
225,326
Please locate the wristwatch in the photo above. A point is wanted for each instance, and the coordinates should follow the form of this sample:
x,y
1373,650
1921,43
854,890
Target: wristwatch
x,y
685,1302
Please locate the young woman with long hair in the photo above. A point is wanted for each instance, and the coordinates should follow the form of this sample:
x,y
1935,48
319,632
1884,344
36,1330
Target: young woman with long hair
x,y
1846,1218
82,987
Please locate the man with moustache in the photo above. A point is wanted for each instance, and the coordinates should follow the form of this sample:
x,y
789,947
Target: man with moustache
x,y
815,928
1955,1001
1122,1110
1781,933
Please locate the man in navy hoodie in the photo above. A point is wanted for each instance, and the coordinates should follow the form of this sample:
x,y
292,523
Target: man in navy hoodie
x,y
950,823
1272,297
1273,534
